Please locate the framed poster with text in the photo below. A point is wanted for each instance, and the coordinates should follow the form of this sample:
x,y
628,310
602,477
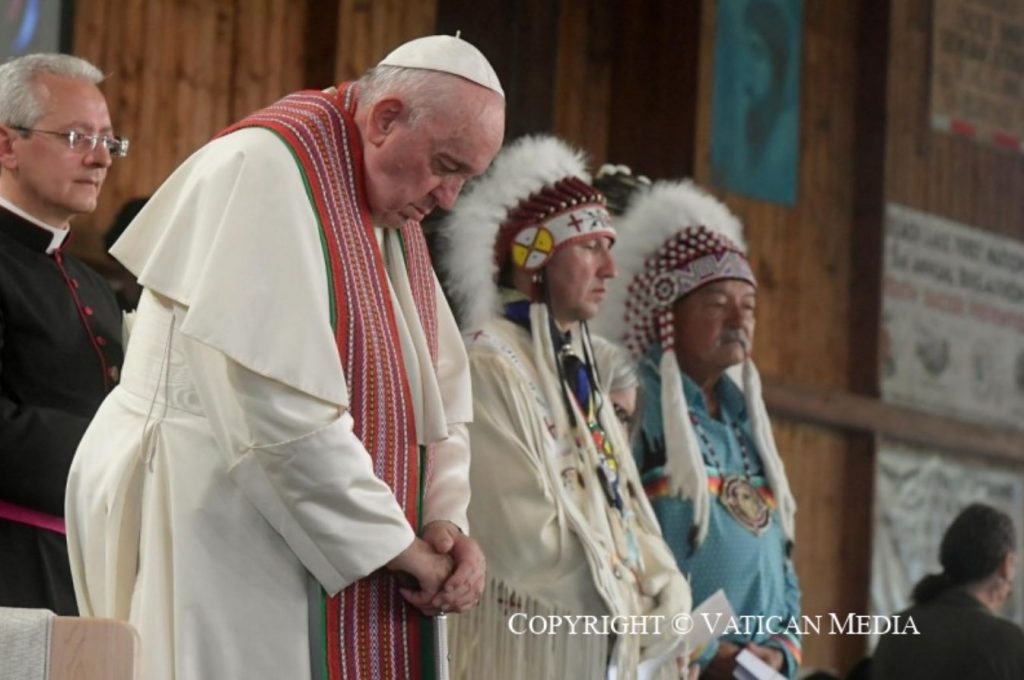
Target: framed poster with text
x,y
977,87
952,319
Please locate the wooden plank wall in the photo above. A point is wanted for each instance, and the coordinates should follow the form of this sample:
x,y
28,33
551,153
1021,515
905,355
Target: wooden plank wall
x,y
583,76
521,40
180,70
936,172
626,74
367,30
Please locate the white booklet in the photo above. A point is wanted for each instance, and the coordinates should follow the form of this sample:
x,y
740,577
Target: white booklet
x,y
710,620
704,624
749,667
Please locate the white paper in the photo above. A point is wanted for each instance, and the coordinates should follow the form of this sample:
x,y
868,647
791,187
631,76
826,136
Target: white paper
x,y
709,621
749,667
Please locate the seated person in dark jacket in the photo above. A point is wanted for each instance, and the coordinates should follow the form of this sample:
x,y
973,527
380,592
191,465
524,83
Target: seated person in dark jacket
x,y
956,612
60,327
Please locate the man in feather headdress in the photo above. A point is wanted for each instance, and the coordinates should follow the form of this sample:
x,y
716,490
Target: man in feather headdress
x,y
557,504
704,444
289,432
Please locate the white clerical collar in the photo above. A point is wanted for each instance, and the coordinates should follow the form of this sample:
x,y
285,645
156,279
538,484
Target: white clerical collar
x,y
58,235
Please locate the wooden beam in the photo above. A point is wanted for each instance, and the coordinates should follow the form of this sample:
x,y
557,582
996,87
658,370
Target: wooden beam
x,y
867,244
856,413
321,43
583,77
520,39
652,118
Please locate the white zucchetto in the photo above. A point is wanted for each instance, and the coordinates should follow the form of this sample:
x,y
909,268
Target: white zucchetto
x,y
447,54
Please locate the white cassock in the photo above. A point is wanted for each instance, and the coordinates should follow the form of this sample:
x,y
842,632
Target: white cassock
x,y
222,477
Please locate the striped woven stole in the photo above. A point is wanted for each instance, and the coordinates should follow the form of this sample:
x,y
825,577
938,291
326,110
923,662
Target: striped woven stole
x,y
370,631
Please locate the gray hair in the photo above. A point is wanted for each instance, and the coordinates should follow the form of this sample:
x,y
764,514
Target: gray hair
x,y
19,100
421,89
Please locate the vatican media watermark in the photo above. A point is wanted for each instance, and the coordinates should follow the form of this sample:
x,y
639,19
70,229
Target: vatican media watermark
x,y
683,624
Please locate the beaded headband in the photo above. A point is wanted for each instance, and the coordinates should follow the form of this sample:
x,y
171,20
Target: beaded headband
x,y
535,197
690,258
567,211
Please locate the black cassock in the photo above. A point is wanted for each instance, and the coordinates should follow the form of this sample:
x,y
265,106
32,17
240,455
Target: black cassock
x,y
60,354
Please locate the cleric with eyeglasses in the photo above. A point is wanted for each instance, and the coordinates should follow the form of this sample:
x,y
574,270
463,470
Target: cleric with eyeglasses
x,y
60,326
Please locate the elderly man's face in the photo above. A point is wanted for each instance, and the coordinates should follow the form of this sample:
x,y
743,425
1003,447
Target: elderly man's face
x,y
43,175
576,277
411,169
714,327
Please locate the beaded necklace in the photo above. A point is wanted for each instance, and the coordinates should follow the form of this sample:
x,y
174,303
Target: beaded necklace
x,y
576,379
608,470
709,449
738,494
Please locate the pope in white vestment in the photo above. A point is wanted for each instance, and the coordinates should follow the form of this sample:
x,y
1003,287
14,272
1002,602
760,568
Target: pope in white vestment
x,y
260,420
221,486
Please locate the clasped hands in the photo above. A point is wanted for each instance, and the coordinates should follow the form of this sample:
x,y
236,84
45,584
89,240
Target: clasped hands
x,y
449,567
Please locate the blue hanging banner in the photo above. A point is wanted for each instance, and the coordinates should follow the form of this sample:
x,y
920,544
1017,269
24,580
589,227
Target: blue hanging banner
x,y
755,135
30,26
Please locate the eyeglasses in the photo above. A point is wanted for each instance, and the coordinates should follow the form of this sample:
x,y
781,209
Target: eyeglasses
x,y
116,146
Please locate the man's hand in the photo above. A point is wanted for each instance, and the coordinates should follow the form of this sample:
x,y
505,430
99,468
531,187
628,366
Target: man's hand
x,y
686,670
724,663
462,590
771,656
428,567
666,595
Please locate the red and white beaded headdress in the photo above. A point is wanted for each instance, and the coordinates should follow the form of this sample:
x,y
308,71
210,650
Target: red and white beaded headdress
x,y
534,200
689,259
680,238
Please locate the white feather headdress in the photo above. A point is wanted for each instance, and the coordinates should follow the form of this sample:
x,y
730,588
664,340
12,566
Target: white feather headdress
x,y
469,232
652,217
